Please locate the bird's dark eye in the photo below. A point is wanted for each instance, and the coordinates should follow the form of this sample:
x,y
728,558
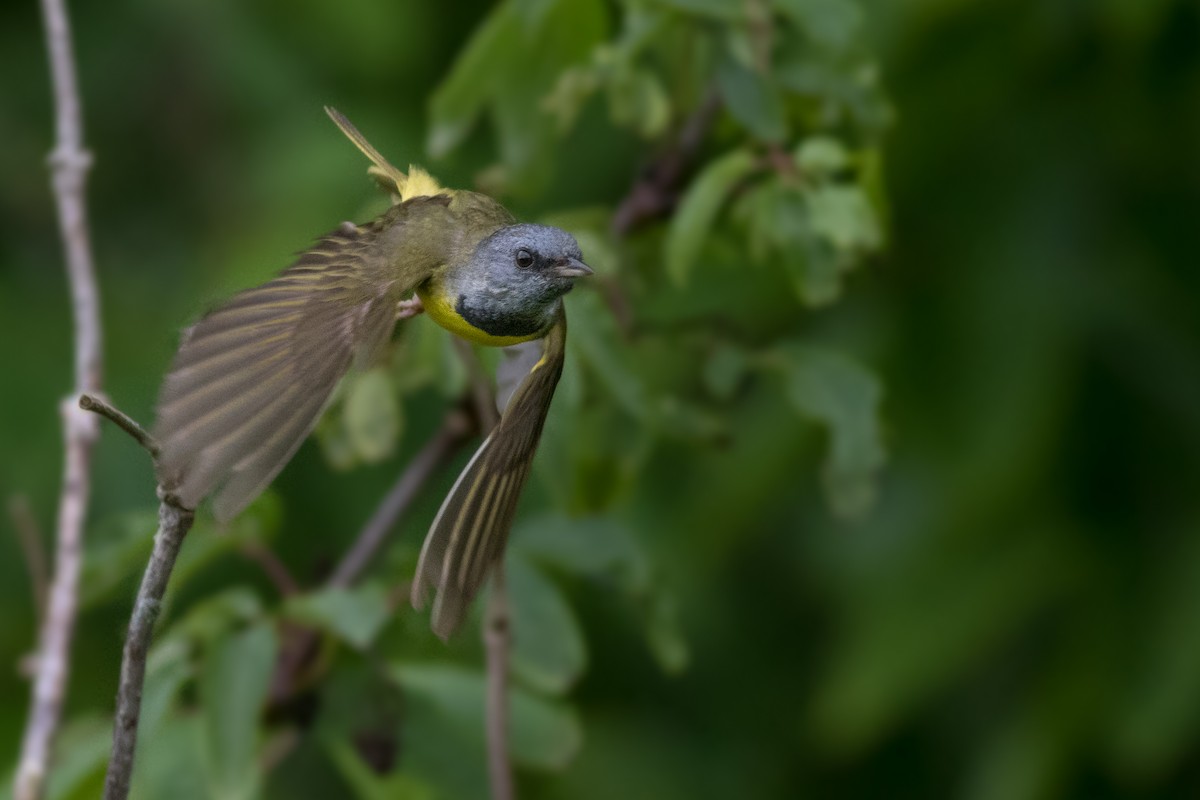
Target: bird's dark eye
x,y
524,259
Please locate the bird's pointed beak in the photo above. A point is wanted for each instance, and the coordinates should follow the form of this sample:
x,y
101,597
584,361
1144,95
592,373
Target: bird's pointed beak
x,y
573,268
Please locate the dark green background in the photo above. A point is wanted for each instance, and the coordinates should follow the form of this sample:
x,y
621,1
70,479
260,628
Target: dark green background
x,y
1019,616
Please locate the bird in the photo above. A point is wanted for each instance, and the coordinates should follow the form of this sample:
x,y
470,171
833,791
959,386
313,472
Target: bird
x,y
251,378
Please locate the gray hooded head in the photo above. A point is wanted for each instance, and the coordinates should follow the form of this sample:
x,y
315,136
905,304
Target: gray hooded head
x,y
511,284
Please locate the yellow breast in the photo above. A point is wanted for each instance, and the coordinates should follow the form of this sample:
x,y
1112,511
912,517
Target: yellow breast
x,y
439,305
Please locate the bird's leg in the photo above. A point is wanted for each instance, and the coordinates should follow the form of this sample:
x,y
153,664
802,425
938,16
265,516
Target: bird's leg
x,y
407,309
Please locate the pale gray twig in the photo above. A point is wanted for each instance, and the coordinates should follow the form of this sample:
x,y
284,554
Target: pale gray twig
x,y
69,164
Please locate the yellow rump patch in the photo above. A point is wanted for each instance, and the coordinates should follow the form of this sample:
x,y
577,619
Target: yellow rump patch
x,y
419,183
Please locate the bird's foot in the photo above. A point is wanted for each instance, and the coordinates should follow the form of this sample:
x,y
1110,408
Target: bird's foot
x,y
407,309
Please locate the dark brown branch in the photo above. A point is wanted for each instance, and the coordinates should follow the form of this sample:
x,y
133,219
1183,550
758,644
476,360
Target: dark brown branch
x,y
496,641
69,165
656,191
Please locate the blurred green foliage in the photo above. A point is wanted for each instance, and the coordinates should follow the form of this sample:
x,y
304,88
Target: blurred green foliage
x,y
719,587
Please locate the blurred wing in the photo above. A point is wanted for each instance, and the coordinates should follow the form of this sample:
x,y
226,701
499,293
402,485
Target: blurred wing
x,y
470,530
251,378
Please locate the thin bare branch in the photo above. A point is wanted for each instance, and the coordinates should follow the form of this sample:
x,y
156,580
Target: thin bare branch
x,y
496,641
274,568
454,431
69,165
122,420
174,522
656,190
30,538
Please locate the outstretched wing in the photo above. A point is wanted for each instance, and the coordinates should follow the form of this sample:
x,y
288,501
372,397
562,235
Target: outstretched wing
x,y
251,378
470,530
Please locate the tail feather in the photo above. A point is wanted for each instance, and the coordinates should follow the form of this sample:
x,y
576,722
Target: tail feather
x,y
471,528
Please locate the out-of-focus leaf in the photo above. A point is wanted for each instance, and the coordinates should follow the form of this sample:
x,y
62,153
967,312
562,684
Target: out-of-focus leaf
x,y
81,756
842,395
366,783
727,10
233,688
210,618
544,734
724,370
588,546
122,545
637,100
666,639
843,215
753,100
1158,717
598,344
167,669
372,415
549,653
334,440
698,210
832,23
170,765
821,156
461,97
355,615
816,272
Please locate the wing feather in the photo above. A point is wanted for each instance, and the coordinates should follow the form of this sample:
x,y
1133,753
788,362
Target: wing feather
x,y
471,528
251,378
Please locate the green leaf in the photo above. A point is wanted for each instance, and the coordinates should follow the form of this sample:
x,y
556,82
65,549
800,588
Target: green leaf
x,y
549,653
81,756
816,272
638,100
372,415
597,344
664,634
233,689
587,546
698,210
727,10
724,370
753,100
832,23
841,394
168,766
460,98
366,783
842,214
821,156
212,617
355,615
543,734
